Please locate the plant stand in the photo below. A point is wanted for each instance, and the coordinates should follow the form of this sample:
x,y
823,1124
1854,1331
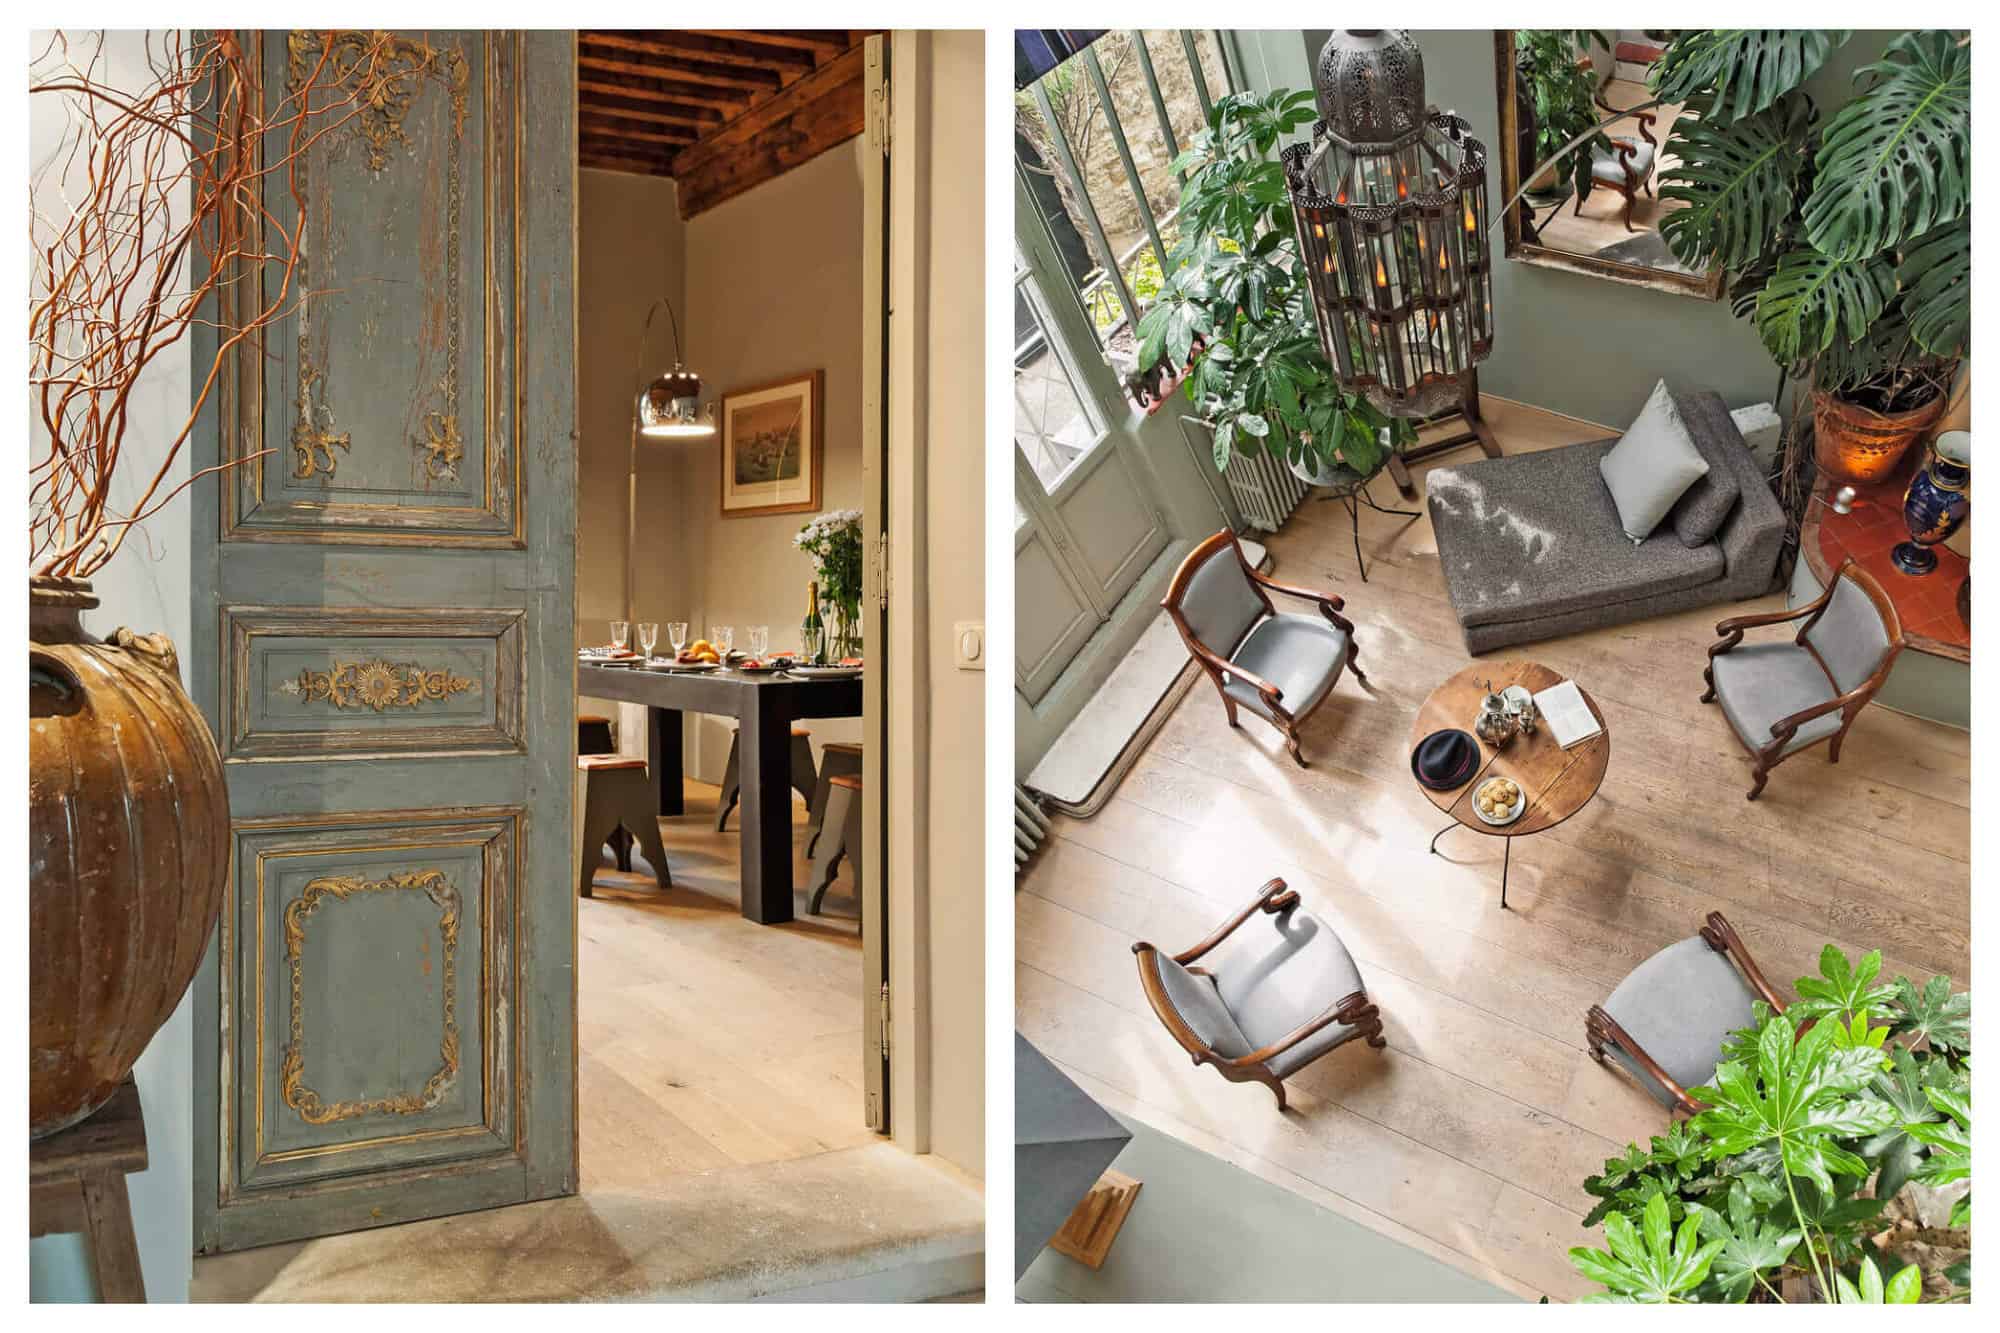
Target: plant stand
x,y
76,1182
1476,432
1351,489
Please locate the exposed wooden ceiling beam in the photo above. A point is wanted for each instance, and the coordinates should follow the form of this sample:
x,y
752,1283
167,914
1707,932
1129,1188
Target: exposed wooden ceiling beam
x,y
631,134
619,108
798,124
657,60
824,42
743,53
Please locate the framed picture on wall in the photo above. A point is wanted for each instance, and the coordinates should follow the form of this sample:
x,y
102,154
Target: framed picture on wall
x,y
771,447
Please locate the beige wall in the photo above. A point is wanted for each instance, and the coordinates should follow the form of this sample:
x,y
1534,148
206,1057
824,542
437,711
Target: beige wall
x,y
630,246
955,550
773,290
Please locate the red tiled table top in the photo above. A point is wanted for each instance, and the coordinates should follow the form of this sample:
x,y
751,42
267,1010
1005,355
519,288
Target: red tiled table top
x,y
1928,605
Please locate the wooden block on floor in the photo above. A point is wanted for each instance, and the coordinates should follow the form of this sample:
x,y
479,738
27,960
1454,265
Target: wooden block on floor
x,y
1094,1223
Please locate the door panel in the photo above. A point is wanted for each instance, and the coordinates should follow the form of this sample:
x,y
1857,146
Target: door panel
x,y
1051,618
873,858
387,1019
1112,524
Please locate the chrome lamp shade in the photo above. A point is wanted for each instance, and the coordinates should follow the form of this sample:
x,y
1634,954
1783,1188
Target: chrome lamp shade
x,y
670,407
1390,203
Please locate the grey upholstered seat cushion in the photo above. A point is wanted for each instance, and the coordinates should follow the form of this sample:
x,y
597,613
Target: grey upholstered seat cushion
x,y
1301,655
1194,998
1278,973
1652,465
1610,167
1849,635
1758,684
1698,515
1678,1005
1219,603
1536,534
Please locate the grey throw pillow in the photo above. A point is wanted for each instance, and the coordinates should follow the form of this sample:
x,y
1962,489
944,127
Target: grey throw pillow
x,y
1698,515
1652,466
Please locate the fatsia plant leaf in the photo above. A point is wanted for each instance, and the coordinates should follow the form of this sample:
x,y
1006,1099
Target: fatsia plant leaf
x,y
1902,1087
1936,274
1811,299
1950,1141
1897,160
1748,69
1753,1242
1738,181
1801,1099
1867,1287
1843,989
1651,1263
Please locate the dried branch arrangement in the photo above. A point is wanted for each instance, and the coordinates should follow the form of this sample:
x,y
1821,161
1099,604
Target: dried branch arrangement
x,y
168,186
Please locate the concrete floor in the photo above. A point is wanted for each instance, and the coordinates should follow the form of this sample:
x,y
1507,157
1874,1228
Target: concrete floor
x,y
870,1223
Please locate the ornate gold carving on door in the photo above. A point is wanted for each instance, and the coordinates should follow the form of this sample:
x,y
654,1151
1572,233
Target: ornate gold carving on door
x,y
391,90
377,684
311,1107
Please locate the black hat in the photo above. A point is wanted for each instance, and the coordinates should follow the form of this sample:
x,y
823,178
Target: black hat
x,y
1445,759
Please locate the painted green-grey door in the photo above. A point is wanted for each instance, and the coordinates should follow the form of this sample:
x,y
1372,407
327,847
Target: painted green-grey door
x,y
383,621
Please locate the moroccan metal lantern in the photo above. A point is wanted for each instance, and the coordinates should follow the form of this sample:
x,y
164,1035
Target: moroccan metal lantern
x,y
1390,202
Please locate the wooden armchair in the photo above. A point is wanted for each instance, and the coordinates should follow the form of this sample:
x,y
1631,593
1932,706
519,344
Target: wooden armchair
x,y
1628,167
1275,1002
1781,698
1665,1023
1281,667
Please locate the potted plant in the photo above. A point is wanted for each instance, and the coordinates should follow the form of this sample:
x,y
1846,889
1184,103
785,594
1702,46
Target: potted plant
x,y
833,540
1845,237
1234,301
128,820
1554,89
1833,1161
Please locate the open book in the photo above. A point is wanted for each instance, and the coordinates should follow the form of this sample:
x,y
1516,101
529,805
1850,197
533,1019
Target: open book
x,y
1566,715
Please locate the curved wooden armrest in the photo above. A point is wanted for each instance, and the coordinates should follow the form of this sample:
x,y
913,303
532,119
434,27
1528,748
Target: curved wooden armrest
x,y
1330,605
1604,1028
1722,937
1273,897
1350,1010
1786,727
1732,629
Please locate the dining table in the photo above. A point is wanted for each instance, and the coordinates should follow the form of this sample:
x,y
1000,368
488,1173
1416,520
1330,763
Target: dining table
x,y
765,705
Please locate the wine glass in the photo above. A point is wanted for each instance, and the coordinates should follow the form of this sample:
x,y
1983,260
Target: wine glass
x,y
621,632
677,635
723,637
760,640
649,634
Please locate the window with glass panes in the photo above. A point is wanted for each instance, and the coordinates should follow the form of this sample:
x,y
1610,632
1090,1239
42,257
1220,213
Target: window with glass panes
x,y
1095,139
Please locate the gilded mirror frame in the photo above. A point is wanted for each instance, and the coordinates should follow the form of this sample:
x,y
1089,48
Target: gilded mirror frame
x,y
1706,287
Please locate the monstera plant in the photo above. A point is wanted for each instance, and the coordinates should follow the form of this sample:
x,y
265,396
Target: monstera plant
x,y
1797,1177
1235,302
1845,233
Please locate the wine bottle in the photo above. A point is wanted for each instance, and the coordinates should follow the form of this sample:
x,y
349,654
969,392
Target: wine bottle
x,y
812,633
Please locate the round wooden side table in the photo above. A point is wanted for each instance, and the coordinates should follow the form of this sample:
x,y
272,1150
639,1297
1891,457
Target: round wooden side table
x,y
1557,782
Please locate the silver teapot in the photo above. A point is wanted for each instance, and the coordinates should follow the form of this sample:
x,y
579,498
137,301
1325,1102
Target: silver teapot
x,y
1496,723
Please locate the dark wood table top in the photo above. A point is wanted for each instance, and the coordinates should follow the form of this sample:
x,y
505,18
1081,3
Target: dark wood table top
x,y
1557,782
723,692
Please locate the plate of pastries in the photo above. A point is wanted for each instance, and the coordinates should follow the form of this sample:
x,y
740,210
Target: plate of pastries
x,y
1499,800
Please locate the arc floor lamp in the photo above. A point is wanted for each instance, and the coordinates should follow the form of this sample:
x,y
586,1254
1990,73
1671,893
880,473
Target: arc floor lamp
x,y
666,407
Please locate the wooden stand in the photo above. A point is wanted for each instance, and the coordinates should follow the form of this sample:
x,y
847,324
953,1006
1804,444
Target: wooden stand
x,y
1476,432
1094,1223
76,1182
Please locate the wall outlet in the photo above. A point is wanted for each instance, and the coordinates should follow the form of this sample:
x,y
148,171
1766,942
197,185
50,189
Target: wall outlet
x,y
968,645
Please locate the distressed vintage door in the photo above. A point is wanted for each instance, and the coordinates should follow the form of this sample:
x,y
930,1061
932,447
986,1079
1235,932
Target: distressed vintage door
x,y
875,1032
382,640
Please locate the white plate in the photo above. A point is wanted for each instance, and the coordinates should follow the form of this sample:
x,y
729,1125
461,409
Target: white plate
x,y
668,664
826,672
1520,804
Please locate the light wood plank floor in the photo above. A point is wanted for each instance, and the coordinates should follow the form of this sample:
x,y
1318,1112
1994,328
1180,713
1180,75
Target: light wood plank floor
x,y
1471,1133
705,1040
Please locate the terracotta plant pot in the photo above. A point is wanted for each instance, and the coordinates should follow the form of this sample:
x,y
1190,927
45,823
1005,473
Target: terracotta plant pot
x,y
128,837
1852,443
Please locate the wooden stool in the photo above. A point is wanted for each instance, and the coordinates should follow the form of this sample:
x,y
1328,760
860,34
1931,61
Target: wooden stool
x,y
802,772
593,734
835,758
843,816
612,793
76,1182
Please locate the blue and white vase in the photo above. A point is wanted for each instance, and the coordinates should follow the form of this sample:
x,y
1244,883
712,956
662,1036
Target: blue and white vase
x,y
1935,505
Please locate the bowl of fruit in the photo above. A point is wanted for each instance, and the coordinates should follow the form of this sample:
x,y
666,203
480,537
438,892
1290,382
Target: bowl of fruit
x,y
1499,800
701,655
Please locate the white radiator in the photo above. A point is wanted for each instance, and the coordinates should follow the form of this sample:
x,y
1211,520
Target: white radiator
x,y
1030,826
1265,490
